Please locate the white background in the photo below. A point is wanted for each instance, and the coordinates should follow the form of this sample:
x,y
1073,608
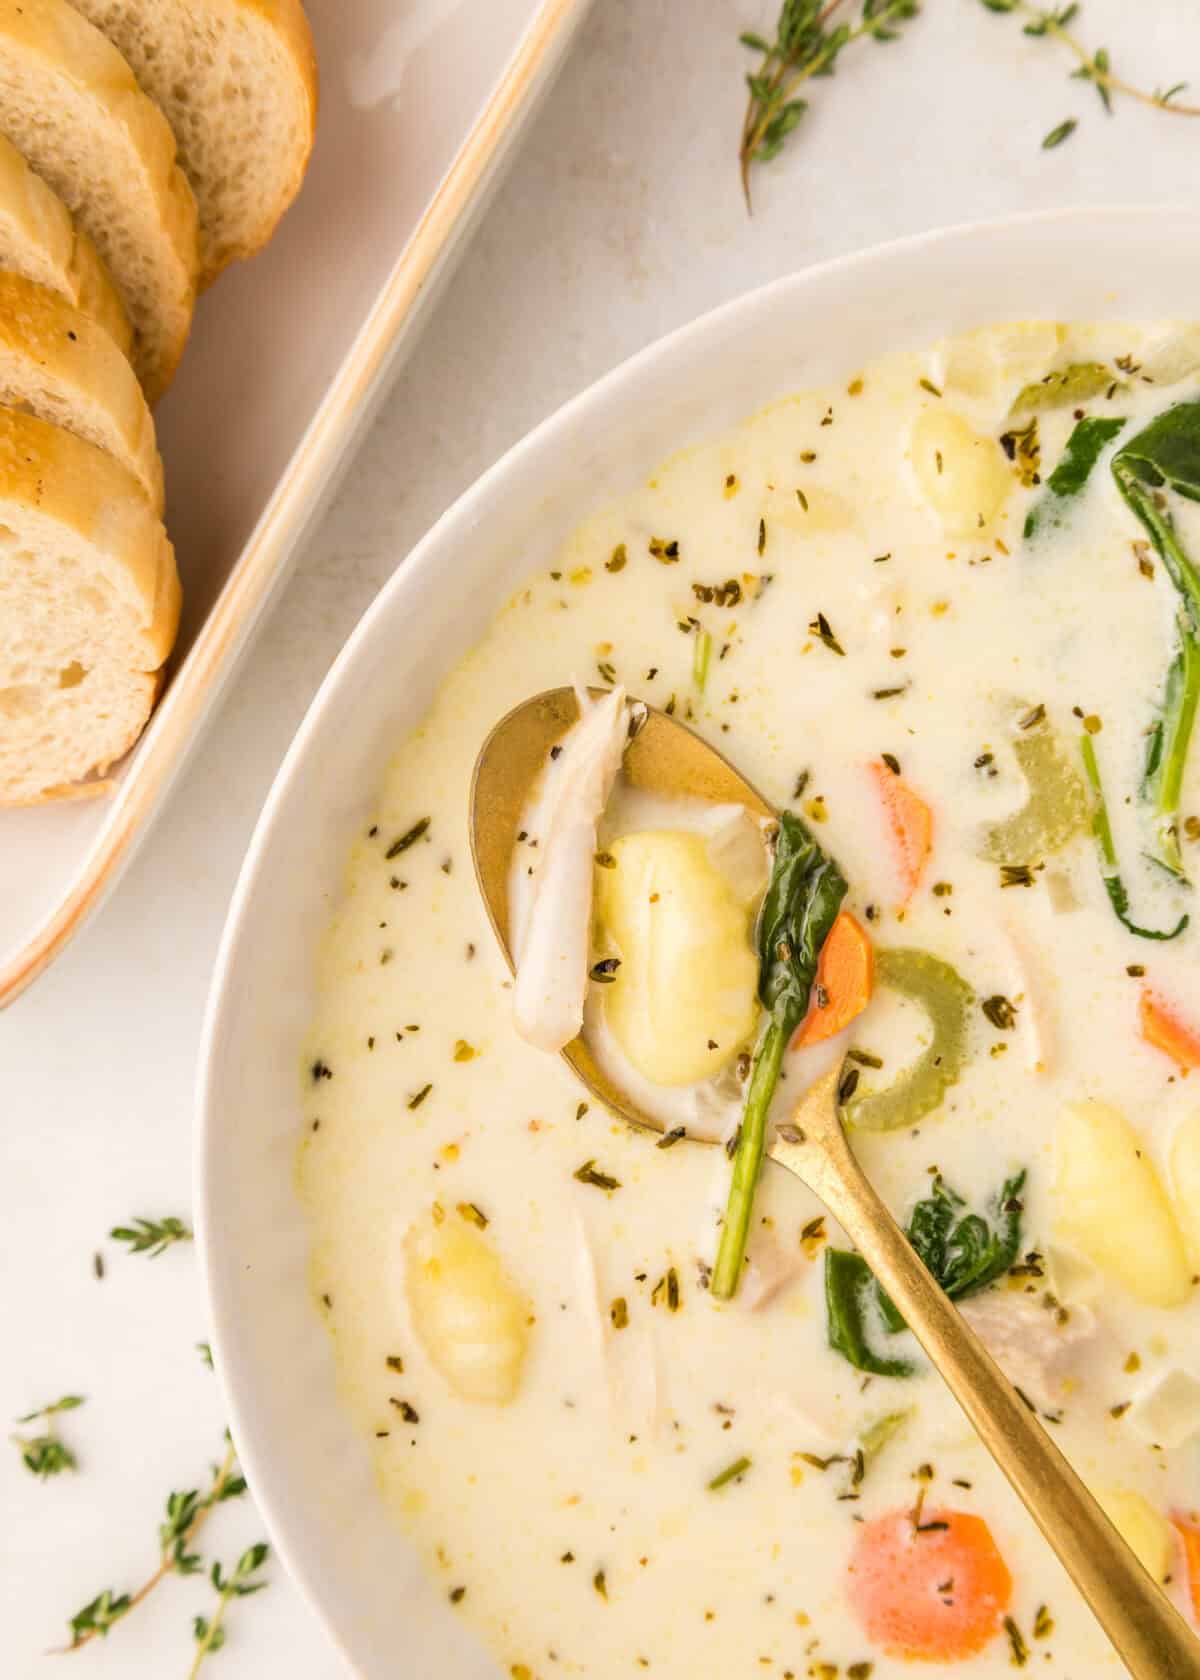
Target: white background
x,y
621,219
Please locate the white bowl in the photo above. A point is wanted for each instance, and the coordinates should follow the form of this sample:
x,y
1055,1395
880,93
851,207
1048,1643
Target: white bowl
x,y
310,1471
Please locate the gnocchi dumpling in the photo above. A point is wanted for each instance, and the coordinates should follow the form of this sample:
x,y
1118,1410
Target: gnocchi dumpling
x,y
470,1319
979,363
962,474
1144,1530
1111,1207
683,1000
1185,1184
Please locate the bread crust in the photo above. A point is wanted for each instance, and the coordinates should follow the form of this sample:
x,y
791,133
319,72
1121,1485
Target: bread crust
x,y
48,347
44,244
145,30
50,49
49,477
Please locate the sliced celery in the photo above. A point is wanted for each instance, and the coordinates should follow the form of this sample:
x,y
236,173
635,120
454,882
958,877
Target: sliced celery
x,y
946,999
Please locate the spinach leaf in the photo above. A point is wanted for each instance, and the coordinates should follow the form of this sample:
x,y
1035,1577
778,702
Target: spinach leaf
x,y
1165,455
1068,480
803,898
1106,846
964,1253
850,1299
802,901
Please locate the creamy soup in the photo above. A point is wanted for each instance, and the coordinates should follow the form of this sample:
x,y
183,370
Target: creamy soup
x,y
944,617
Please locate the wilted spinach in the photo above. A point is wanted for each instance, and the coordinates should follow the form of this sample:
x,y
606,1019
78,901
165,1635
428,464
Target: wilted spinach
x,y
1067,482
965,1252
1165,455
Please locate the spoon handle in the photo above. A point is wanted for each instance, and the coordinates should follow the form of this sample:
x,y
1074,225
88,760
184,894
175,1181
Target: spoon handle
x,y
1149,1634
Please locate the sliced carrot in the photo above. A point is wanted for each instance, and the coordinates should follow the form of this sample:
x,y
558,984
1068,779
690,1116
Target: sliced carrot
x,y
1163,1028
845,977
911,823
1189,1533
936,1592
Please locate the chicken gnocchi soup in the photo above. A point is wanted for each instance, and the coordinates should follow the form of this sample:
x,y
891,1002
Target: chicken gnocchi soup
x,y
635,1397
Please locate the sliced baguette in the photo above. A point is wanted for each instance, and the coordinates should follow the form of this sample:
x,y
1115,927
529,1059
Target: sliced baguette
x,y
39,240
89,607
70,104
237,81
57,364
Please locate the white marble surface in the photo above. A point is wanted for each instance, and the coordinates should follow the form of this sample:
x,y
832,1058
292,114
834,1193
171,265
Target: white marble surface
x,y
621,219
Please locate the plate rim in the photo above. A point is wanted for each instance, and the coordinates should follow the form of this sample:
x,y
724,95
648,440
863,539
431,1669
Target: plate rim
x,y
197,685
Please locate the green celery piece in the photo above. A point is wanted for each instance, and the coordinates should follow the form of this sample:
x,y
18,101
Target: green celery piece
x,y
947,1000
802,901
849,1300
1056,809
1068,480
1075,383
1107,849
1165,455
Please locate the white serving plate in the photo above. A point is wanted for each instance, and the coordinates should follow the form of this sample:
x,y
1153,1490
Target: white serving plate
x,y
421,101
310,1471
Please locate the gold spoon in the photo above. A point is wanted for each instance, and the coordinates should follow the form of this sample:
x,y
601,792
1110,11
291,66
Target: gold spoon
x,y
664,756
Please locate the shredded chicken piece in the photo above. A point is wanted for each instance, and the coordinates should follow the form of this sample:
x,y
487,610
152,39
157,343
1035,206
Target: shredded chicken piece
x,y
770,1268
1025,1338
1166,1413
554,940
1035,1021
588,1285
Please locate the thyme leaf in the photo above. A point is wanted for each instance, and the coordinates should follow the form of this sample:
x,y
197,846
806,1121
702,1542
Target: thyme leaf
x,y
47,1454
1051,23
806,44
187,1511
151,1236
731,1473
209,1631
589,1173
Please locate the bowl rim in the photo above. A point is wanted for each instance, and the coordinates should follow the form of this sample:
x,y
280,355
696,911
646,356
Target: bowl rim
x,y
412,574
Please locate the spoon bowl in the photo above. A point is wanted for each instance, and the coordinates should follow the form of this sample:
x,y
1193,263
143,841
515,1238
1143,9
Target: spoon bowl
x,y
662,756
666,757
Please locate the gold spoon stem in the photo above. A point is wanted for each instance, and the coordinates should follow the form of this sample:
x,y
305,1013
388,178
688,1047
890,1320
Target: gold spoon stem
x,y
1149,1634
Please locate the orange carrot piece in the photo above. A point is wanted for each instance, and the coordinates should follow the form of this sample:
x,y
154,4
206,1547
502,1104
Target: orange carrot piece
x,y
1163,1028
911,823
1189,1532
845,977
934,1593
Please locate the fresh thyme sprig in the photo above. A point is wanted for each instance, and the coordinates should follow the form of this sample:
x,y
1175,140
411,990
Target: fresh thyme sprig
x,y
47,1454
186,1513
806,44
1051,23
209,1631
151,1236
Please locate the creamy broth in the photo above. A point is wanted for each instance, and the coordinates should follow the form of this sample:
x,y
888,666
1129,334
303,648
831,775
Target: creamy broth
x,y
569,1512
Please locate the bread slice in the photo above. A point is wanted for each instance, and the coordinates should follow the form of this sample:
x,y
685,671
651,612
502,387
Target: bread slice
x,y
237,81
57,364
89,607
39,240
69,103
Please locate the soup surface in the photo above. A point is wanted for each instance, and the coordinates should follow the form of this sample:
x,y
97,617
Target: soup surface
x,y
930,612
